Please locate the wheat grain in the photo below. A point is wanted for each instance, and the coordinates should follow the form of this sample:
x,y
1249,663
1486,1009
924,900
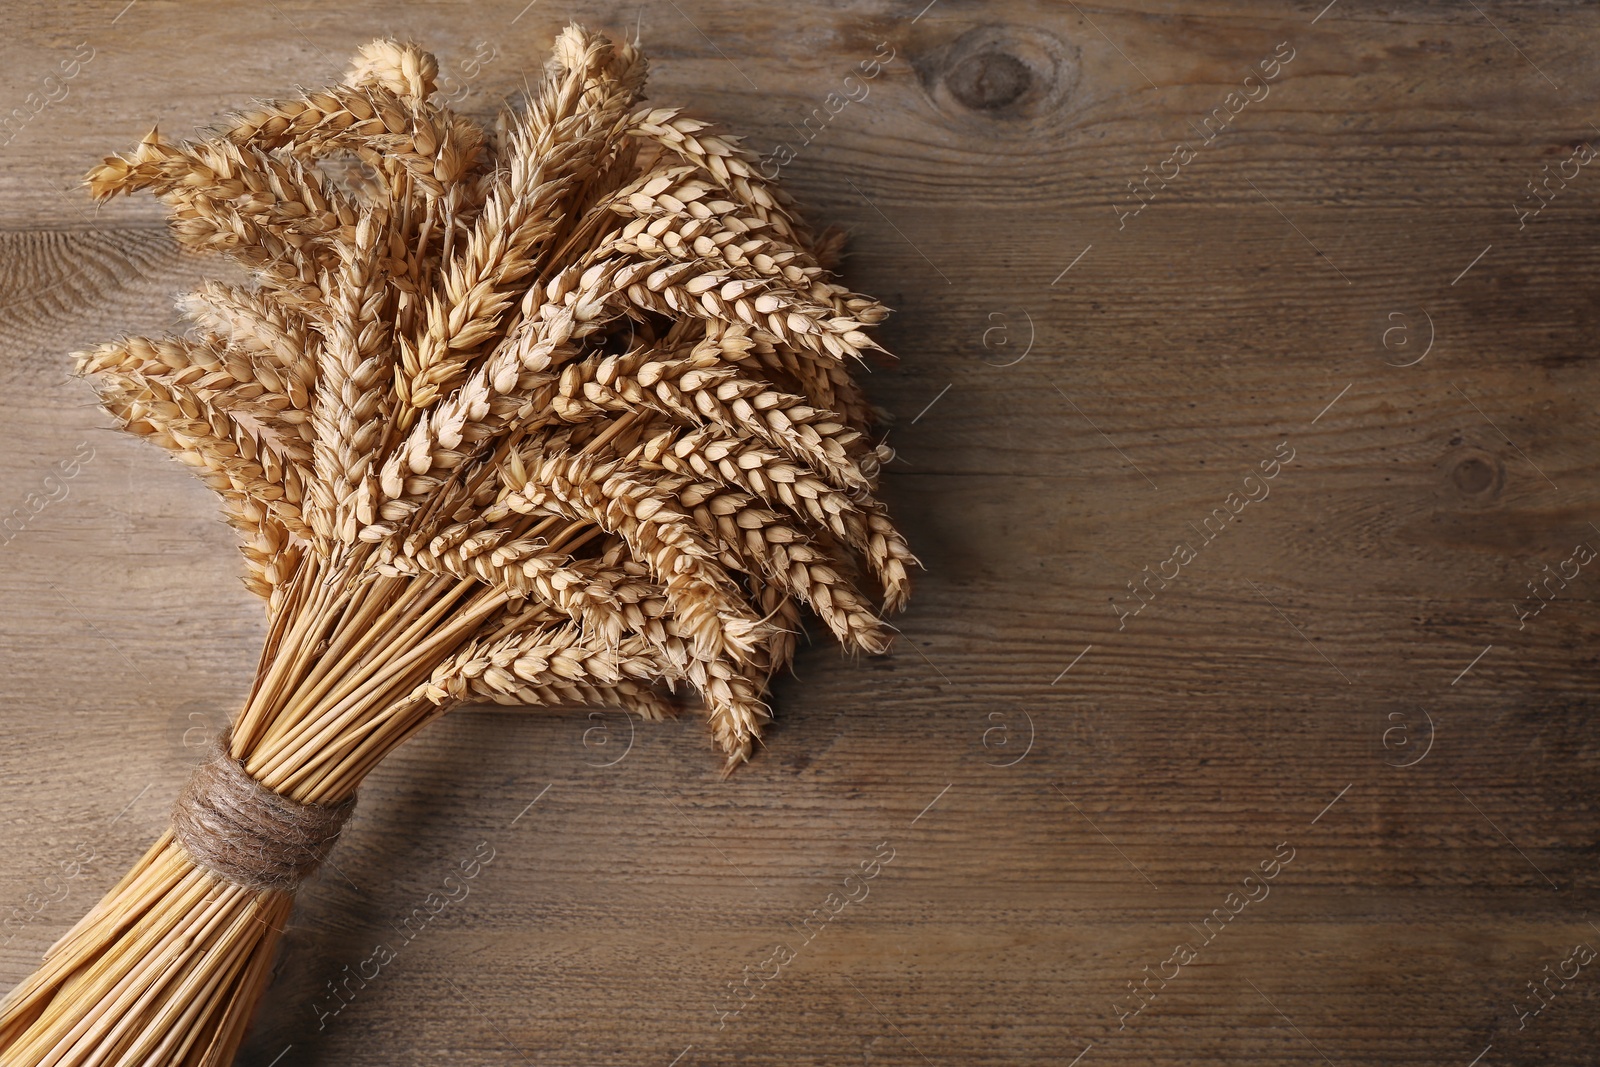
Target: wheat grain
x,y
557,414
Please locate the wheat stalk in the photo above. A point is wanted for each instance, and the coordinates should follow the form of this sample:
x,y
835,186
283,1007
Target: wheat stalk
x,y
559,414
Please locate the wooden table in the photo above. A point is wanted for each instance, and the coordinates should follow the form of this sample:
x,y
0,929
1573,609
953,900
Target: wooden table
x,y
1177,763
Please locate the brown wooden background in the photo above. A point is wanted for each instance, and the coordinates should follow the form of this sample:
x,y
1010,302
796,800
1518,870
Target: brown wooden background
x,y
1081,424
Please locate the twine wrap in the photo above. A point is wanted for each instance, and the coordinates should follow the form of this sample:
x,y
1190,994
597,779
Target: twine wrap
x,y
240,830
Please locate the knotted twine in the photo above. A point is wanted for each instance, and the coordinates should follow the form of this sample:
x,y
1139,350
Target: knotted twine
x,y
240,830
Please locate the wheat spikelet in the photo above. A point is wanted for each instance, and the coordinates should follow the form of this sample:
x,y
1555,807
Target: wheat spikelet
x,y
557,414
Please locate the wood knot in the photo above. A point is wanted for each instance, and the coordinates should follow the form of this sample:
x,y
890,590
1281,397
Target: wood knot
x,y
989,81
1474,475
1004,73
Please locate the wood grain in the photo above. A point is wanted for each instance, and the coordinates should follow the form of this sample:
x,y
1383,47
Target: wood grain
x,y
1067,795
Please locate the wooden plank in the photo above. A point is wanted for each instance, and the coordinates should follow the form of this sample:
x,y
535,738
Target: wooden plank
x,y
1069,789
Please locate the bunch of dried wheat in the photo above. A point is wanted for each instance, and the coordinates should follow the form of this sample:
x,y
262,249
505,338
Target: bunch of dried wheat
x,y
556,413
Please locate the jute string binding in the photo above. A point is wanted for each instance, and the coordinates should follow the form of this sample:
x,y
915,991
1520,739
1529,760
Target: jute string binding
x,y
240,830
